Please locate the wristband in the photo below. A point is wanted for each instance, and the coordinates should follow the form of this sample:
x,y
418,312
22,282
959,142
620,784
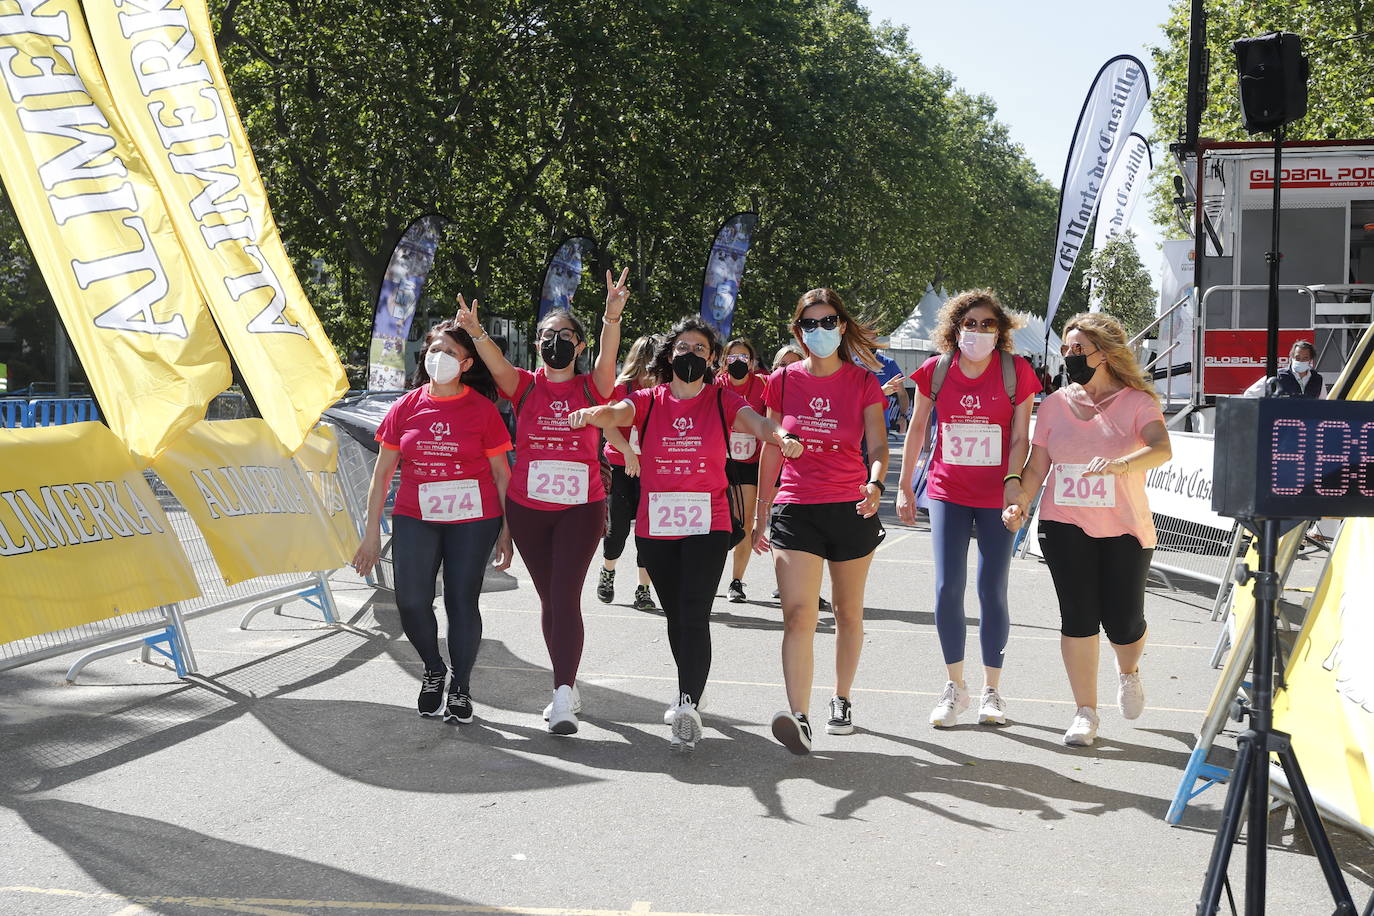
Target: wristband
x,y
609,320
485,336
793,436
879,484
1011,477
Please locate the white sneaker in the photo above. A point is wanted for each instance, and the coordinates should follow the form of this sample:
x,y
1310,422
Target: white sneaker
x,y
991,709
1083,731
576,703
953,701
671,711
562,719
686,725
1130,696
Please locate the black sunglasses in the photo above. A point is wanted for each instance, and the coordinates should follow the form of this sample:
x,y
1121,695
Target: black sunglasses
x,y
829,322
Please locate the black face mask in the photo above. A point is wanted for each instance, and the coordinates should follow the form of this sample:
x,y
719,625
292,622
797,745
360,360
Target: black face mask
x,y
1078,370
738,370
689,367
557,352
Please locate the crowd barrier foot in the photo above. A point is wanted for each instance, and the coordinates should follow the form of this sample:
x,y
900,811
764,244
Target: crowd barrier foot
x,y
1197,769
317,596
169,642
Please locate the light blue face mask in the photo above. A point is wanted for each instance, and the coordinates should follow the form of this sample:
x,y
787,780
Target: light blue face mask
x,y
822,342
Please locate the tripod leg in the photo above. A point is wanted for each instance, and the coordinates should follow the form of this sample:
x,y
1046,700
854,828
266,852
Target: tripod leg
x,y
1316,832
1230,827
1257,832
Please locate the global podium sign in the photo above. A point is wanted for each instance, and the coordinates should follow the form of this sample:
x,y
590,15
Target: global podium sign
x,y
1233,359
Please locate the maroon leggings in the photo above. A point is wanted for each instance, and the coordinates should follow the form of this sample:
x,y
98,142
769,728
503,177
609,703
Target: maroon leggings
x,y
557,546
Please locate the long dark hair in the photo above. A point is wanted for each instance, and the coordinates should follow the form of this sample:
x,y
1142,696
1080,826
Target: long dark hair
x,y
662,366
858,342
478,377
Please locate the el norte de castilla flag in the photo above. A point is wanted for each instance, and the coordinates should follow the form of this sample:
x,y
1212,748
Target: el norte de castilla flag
x,y
100,231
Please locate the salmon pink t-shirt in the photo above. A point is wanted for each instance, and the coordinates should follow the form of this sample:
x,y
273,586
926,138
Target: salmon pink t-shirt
x,y
446,445
1073,431
682,461
973,435
555,466
827,414
744,448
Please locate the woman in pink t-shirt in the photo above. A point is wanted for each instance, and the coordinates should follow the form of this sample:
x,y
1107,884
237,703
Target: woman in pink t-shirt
x,y
825,510
983,409
743,377
684,528
450,442
556,504
1099,435
622,453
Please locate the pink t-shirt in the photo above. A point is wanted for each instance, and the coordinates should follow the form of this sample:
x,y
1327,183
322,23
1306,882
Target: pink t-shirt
x,y
445,442
682,461
744,448
827,414
555,466
1074,431
613,455
974,431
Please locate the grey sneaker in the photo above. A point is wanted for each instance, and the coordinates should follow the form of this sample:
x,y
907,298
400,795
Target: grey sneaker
x,y
1083,731
1130,695
686,725
605,586
991,708
644,601
953,701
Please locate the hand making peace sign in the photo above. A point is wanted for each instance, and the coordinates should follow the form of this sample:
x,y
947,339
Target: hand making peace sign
x,y
466,316
617,294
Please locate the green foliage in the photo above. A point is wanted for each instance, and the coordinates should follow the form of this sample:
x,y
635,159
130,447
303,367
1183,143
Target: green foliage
x,y
641,124
25,307
1121,282
1340,104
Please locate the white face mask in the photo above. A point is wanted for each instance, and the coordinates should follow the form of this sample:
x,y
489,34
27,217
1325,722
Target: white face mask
x,y
442,367
1299,365
976,345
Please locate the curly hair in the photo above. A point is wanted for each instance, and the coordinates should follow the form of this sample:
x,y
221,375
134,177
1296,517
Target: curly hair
x,y
952,314
662,366
858,342
478,377
1106,334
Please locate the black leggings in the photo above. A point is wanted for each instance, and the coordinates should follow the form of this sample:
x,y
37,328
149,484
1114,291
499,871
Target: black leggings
x,y
624,497
418,548
685,572
1100,581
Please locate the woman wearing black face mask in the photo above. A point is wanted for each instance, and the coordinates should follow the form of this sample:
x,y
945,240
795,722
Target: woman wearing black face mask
x,y
741,376
684,527
556,502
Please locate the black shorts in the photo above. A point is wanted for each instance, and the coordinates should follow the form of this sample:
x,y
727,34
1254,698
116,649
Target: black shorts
x,y
742,473
1100,581
833,531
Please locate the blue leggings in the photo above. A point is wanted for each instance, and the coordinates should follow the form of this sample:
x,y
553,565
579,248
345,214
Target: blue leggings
x,y
951,527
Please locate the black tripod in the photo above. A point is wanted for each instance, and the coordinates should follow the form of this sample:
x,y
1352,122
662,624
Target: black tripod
x,y
1251,774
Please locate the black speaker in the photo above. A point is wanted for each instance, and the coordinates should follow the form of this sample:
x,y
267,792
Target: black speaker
x,y
1273,80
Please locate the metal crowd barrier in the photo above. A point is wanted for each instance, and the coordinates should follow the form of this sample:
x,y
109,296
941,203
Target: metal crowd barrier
x,y
1186,548
25,413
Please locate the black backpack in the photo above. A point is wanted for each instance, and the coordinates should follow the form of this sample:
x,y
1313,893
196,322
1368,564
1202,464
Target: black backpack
x,y
734,493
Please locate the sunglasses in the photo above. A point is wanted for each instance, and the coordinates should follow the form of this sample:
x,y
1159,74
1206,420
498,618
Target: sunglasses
x,y
737,358
829,322
1075,350
973,324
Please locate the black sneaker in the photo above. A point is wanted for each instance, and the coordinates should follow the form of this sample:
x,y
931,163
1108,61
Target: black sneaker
x,y
735,593
841,718
431,701
605,586
643,600
793,731
459,706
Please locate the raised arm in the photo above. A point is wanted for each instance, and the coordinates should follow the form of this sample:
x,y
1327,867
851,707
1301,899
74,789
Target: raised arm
x,y
502,372
617,294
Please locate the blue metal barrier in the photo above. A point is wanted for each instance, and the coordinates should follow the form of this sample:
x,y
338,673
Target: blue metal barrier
x,y
15,413
59,411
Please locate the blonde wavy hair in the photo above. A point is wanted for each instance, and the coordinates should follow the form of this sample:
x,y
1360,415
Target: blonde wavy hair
x,y
638,362
1107,335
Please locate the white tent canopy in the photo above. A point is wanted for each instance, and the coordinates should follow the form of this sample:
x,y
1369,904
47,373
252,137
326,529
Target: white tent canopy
x,y
915,332
1030,340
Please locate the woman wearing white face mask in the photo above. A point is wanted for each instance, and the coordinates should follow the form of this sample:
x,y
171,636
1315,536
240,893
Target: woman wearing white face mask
x,y
982,397
451,446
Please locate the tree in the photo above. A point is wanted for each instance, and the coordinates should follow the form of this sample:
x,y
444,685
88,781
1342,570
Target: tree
x,y
1121,283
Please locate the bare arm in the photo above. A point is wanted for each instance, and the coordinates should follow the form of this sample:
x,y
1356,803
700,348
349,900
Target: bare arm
x,y
500,472
622,445
371,547
770,460
1018,449
767,430
502,372
912,446
875,436
617,294
1152,454
607,416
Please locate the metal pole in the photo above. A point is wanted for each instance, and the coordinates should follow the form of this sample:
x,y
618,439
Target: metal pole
x,y
1271,362
62,363
1197,77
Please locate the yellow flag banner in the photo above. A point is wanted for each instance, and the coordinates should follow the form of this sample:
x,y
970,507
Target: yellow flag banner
x,y
82,537
258,513
319,459
164,72
1328,705
99,230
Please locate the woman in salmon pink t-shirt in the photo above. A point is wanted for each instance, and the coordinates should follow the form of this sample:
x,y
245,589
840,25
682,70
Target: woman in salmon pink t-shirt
x,y
983,409
1095,439
451,444
684,528
556,504
825,510
741,376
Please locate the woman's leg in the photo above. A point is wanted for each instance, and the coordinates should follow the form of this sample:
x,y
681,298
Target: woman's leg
x,y
1076,568
1126,565
847,581
745,547
415,551
951,525
573,544
622,515
799,585
703,560
533,533
994,567
466,548
662,560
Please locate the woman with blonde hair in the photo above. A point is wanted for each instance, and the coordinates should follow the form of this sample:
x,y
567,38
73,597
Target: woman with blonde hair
x,y
982,396
1099,435
622,452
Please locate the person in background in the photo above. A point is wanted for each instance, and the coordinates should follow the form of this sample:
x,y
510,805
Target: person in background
x,y
893,380
983,403
787,354
451,446
741,376
1298,380
622,452
1099,435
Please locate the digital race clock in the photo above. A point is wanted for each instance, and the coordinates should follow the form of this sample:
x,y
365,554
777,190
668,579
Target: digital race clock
x,y
1293,458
